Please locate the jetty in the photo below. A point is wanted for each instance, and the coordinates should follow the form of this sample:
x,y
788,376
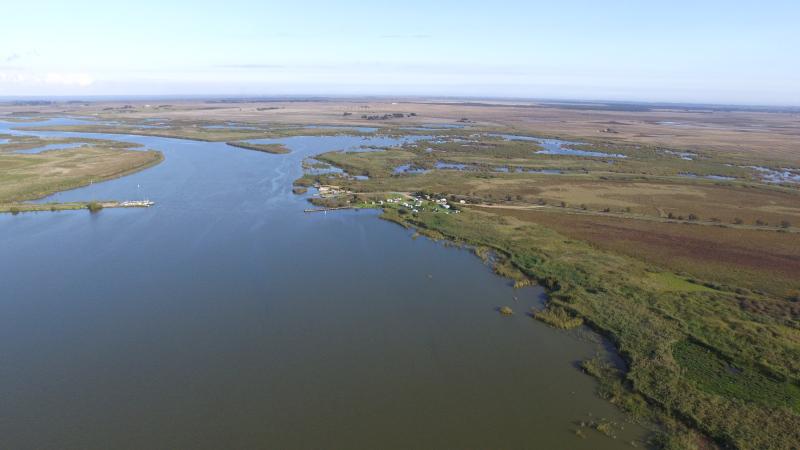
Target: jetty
x,y
337,208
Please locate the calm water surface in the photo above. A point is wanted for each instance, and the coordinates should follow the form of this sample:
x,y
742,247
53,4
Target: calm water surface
x,y
225,317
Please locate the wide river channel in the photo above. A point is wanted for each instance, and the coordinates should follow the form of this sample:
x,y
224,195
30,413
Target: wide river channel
x,y
226,317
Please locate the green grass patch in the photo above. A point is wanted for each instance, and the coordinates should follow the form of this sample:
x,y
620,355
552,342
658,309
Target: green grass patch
x,y
667,281
558,317
266,148
716,375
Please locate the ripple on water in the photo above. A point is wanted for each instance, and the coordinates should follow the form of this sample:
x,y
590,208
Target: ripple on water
x,y
227,294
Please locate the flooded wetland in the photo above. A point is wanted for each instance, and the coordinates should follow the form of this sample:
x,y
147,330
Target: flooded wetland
x,y
225,317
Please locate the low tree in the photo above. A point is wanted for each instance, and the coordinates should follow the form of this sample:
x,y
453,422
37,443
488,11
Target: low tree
x,y
94,206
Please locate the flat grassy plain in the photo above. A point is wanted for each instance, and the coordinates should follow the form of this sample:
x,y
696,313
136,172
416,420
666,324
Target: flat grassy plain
x,y
197,131
32,176
738,133
664,265
647,312
754,259
680,252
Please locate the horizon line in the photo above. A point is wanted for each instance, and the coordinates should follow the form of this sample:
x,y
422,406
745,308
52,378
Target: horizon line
x,y
322,97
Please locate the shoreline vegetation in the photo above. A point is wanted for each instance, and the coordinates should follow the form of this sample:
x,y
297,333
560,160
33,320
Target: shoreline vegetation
x,y
91,206
32,176
200,131
278,149
677,319
606,293
706,318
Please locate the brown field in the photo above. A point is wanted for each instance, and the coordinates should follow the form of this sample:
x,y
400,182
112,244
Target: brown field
x,y
752,135
724,201
29,177
732,256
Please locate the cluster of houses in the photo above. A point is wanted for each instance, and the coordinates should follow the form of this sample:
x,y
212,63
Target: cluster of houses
x,y
387,116
415,203
331,191
136,204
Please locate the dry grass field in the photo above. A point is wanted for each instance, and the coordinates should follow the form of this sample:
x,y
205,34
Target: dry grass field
x,y
32,176
755,259
747,133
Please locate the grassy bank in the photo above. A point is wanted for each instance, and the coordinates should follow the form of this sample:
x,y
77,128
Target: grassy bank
x,y
92,206
30,177
648,316
704,308
25,177
267,148
200,131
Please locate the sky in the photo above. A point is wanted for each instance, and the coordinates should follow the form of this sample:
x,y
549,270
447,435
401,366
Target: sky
x,y
699,51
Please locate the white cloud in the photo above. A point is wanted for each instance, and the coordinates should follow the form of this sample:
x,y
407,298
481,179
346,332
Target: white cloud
x,y
16,56
67,79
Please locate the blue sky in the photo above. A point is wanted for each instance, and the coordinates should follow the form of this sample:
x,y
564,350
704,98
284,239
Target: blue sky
x,y
686,51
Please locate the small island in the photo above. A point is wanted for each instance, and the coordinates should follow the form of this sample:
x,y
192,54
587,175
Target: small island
x,y
34,168
277,149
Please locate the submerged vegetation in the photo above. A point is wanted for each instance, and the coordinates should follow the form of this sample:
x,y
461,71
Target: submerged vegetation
x,y
505,310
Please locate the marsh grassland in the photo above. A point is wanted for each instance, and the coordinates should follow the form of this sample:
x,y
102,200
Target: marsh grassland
x,y
679,244
62,164
267,148
694,278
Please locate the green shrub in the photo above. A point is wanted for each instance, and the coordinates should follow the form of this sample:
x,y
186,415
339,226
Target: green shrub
x,y
557,317
94,206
